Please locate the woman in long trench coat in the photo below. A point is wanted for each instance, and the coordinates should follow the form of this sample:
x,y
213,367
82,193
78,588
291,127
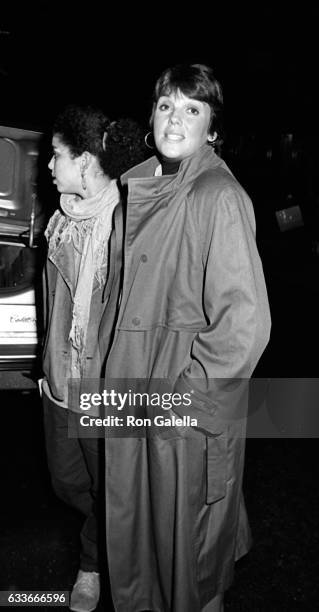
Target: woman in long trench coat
x,y
186,306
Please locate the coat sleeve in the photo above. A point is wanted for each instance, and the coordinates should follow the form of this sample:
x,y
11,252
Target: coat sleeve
x,y
225,353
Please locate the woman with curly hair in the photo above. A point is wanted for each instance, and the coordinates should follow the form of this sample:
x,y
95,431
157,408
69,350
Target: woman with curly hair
x,y
89,152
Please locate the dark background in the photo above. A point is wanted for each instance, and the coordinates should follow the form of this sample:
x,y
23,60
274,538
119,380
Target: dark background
x,y
266,56
55,52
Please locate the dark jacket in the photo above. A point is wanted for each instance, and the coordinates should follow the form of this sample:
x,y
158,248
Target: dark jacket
x,y
193,311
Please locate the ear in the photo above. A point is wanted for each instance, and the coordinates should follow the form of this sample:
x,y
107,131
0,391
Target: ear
x,y
85,160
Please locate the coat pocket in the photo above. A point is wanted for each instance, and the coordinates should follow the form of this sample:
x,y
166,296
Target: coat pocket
x,y
216,467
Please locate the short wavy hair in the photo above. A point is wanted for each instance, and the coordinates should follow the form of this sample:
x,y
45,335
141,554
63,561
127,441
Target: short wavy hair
x,y
118,145
196,81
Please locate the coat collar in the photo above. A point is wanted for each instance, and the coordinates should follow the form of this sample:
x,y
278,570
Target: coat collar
x,y
142,182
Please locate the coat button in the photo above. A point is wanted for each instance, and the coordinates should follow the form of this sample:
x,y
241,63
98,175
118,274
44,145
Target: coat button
x,y
136,321
144,257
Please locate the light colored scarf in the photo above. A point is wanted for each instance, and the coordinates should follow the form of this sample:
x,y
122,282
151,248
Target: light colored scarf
x,y
86,224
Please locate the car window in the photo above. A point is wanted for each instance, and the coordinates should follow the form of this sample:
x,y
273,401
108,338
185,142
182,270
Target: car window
x,y
18,267
7,167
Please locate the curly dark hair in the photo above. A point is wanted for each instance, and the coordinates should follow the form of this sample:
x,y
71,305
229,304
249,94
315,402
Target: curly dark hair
x,y
124,147
81,128
118,145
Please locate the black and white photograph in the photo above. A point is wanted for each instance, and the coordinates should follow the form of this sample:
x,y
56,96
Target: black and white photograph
x,y
159,300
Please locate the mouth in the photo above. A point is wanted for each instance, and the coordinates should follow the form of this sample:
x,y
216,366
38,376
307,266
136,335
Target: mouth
x,y
173,137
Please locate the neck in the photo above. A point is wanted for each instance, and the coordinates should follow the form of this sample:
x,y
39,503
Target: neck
x,y
94,185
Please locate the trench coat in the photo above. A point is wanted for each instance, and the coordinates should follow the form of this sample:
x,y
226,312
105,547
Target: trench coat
x,y
186,302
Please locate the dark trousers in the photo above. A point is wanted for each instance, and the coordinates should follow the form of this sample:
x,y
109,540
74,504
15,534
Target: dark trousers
x,y
74,465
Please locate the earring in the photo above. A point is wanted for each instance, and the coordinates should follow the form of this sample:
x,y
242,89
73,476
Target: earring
x,y
83,180
211,139
104,139
149,146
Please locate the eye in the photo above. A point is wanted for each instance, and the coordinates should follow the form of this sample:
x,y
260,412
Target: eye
x,y
193,110
163,107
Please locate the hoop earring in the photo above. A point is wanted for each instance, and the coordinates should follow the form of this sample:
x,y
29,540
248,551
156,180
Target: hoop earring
x,y
211,139
145,140
104,139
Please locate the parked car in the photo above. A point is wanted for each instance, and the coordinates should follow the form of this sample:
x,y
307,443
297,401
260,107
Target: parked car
x,y
21,228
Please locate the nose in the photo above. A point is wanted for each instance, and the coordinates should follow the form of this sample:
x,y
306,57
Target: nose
x,y
175,117
50,164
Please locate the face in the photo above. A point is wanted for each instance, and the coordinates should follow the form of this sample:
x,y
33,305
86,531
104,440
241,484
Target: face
x,y
65,169
180,125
